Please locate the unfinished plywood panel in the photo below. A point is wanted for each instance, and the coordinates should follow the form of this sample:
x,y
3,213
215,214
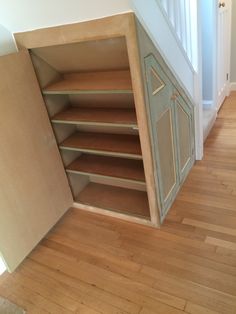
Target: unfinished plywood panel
x,y
34,191
102,100
117,144
97,82
131,202
98,116
108,167
93,55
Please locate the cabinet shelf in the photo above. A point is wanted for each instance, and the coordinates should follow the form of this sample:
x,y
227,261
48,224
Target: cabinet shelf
x,y
122,145
92,82
126,169
122,200
97,116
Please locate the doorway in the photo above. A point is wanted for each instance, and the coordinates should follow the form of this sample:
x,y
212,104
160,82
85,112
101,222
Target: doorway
x,y
215,41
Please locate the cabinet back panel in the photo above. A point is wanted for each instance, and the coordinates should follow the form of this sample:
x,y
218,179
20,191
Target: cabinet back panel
x,y
45,73
56,103
103,100
97,55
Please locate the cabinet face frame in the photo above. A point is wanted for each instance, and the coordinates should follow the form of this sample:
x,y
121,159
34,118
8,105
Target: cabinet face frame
x,y
109,27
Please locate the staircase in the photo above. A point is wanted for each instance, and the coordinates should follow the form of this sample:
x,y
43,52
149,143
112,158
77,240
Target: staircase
x,y
182,19
175,27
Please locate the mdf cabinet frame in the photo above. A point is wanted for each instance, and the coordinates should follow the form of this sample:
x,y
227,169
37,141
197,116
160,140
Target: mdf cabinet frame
x,y
105,28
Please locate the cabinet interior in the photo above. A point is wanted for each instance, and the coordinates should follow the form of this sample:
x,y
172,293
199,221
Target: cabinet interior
x,y
88,94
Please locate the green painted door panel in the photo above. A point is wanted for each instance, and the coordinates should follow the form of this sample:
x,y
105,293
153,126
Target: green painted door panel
x,y
185,136
162,121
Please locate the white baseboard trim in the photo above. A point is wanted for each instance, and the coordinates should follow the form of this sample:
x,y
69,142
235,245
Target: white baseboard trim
x,y
233,86
207,104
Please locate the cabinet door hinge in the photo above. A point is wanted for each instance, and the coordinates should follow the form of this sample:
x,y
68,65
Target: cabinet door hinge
x,y
227,76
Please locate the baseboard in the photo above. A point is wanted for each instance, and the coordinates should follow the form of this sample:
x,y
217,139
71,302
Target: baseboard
x,y
233,86
207,104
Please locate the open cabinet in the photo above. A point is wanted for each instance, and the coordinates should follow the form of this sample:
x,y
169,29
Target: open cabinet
x,y
89,96
85,130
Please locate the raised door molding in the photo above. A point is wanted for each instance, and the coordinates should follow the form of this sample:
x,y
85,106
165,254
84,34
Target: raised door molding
x,y
185,136
162,117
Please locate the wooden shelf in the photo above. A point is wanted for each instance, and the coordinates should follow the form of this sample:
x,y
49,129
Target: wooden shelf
x,y
101,143
97,116
127,201
92,82
121,168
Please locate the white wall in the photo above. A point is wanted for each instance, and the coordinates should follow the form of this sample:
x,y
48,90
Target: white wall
x,y
7,44
24,15
208,49
233,46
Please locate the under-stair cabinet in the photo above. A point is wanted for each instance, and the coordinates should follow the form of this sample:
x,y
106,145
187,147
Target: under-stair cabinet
x,y
91,117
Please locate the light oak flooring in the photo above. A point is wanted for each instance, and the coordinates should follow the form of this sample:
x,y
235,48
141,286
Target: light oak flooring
x,y
96,264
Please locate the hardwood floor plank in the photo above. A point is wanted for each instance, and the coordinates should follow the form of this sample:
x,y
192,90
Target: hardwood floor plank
x,y
192,308
199,294
119,285
208,226
91,263
222,243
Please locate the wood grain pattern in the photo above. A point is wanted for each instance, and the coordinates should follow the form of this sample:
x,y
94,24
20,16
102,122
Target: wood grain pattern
x,y
122,144
221,243
98,82
108,166
97,116
94,262
118,199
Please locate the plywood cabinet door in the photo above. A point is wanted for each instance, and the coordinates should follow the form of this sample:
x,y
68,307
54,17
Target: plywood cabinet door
x,y
162,121
185,136
34,191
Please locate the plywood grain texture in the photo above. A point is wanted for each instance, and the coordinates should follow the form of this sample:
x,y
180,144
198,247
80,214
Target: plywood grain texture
x,y
97,116
118,199
92,82
108,166
118,144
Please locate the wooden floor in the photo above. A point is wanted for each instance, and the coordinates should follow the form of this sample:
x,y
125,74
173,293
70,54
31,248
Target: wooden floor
x,y
96,264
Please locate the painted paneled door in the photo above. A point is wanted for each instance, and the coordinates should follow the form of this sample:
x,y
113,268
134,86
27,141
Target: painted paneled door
x,y
162,116
185,135
34,191
223,50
